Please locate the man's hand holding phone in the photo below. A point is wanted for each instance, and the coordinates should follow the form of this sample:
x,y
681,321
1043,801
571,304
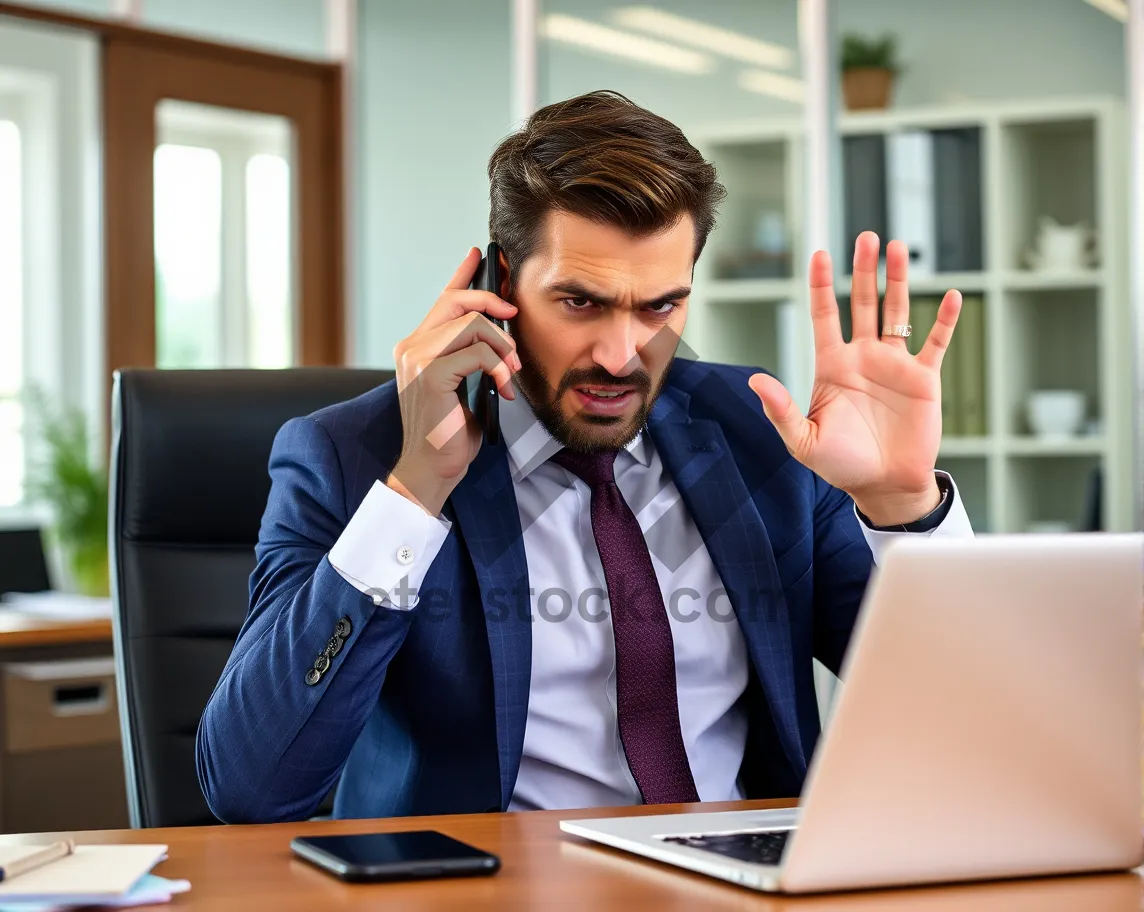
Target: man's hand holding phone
x,y
441,436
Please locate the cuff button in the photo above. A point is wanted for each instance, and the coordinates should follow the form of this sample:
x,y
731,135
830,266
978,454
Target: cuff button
x,y
321,663
313,677
405,555
334,646
344,628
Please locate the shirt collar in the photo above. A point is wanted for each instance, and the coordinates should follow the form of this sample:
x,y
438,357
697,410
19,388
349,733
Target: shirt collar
x,y
530,445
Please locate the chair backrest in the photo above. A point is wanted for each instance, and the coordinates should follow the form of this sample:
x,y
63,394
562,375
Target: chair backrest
x,y
189,484
23,567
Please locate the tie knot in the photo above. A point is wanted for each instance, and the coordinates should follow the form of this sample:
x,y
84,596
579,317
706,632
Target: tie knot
x,y
591,468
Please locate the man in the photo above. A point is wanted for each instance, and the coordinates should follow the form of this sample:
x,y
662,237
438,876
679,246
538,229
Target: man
x,y
623,603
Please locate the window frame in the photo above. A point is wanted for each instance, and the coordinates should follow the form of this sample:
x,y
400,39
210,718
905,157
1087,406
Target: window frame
x,y
27,99
49,88
12,110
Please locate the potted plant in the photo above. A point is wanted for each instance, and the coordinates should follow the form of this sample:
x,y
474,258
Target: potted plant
x,y
66,479
869,67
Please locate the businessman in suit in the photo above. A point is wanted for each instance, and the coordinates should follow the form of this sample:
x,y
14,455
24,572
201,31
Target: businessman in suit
x,y
621,602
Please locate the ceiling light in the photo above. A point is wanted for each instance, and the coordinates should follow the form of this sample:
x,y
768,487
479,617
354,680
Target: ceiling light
x,y
773,84
1117,9
709,37
582,33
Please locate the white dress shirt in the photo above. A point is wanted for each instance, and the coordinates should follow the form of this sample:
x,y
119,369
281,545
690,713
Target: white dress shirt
x,y
573,756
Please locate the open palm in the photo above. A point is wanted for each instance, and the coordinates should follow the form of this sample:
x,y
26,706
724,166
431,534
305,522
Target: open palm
x,y
874,424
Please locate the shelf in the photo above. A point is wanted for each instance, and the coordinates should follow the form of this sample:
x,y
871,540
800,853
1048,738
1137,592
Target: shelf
x,y
1017,113
1054,488
957,115
952,447
1064,446
1033,280
933,284
1041,330
751,291
857,123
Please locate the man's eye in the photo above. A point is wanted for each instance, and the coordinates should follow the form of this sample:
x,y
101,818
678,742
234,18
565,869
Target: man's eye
x,y
577,303
665,308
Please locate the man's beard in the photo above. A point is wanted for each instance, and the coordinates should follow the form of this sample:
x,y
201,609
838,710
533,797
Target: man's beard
x,y
591,433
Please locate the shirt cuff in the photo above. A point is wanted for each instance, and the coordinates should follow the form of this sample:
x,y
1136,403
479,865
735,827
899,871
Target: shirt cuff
x,y
387,547
956,524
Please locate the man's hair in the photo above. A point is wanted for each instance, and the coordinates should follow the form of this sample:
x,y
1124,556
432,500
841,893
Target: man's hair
x,y
604,158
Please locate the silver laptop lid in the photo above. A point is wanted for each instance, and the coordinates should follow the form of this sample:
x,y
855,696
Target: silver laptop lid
x,y
989,723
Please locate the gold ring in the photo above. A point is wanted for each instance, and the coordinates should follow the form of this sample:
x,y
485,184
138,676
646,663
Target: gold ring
x,y
901,330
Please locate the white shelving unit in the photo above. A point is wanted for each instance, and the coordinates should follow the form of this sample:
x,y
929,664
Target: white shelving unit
x,y
1043,330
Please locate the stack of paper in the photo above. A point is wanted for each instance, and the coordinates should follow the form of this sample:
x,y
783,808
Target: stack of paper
x,y
58,606
115,876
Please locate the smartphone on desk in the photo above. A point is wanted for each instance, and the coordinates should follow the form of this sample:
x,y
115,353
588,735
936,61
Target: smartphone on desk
x,y
484,399
416,855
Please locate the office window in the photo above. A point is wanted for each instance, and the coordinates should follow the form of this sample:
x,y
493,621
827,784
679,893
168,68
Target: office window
x,y
11,315
268,232
51,278
224,238
188,255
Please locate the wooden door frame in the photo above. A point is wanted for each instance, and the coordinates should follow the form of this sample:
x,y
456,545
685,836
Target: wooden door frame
x,y
140,67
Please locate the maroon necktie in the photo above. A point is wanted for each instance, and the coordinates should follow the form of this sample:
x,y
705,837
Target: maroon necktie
x,y
646,701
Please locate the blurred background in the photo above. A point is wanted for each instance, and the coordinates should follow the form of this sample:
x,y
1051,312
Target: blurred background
x,y
269,183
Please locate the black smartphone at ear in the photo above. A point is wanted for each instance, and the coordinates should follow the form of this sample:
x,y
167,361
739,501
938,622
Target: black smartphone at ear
x,y
484,399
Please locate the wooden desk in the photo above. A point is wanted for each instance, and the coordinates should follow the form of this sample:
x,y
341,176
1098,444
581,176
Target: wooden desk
x,y
19,630
252,868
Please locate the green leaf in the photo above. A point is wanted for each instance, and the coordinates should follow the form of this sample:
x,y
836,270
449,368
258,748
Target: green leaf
x,y
63,475
877,53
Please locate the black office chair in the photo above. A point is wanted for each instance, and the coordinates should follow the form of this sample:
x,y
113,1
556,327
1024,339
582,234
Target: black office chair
x,y
189,484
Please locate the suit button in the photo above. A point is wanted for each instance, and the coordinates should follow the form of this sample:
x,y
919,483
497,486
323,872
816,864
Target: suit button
x,y
321,663
334,646
344,628
313,677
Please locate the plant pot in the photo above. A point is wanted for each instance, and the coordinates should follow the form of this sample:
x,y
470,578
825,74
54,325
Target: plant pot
x,y
867,88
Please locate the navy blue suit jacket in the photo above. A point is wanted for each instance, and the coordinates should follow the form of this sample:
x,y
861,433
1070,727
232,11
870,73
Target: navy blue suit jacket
x,y
423,711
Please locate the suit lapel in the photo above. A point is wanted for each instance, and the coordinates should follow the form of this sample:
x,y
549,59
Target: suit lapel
x,y
485,508
703,469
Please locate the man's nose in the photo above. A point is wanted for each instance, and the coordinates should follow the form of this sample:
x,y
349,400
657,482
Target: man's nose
x,y
617,347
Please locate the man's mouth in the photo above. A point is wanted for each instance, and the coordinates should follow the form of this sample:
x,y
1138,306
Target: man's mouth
x,y
604,400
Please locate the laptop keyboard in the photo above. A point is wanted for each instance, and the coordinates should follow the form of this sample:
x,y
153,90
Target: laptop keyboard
x,y
759,848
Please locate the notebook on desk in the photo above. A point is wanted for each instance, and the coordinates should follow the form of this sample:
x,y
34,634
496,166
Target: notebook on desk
x,y
92,875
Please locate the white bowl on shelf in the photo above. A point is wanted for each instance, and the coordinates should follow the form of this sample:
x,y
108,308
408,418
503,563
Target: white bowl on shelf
x,y
1056,414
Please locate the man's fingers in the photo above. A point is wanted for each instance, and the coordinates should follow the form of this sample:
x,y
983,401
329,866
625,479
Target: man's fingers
x,y
463,277
864,287
937,343
463,332
457,302
896,307
451,370
795,431
823,304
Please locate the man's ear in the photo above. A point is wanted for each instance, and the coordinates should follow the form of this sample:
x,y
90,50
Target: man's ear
x,y
506,279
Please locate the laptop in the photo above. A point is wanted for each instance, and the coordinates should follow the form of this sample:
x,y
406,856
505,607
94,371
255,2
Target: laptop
x,y
988,726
